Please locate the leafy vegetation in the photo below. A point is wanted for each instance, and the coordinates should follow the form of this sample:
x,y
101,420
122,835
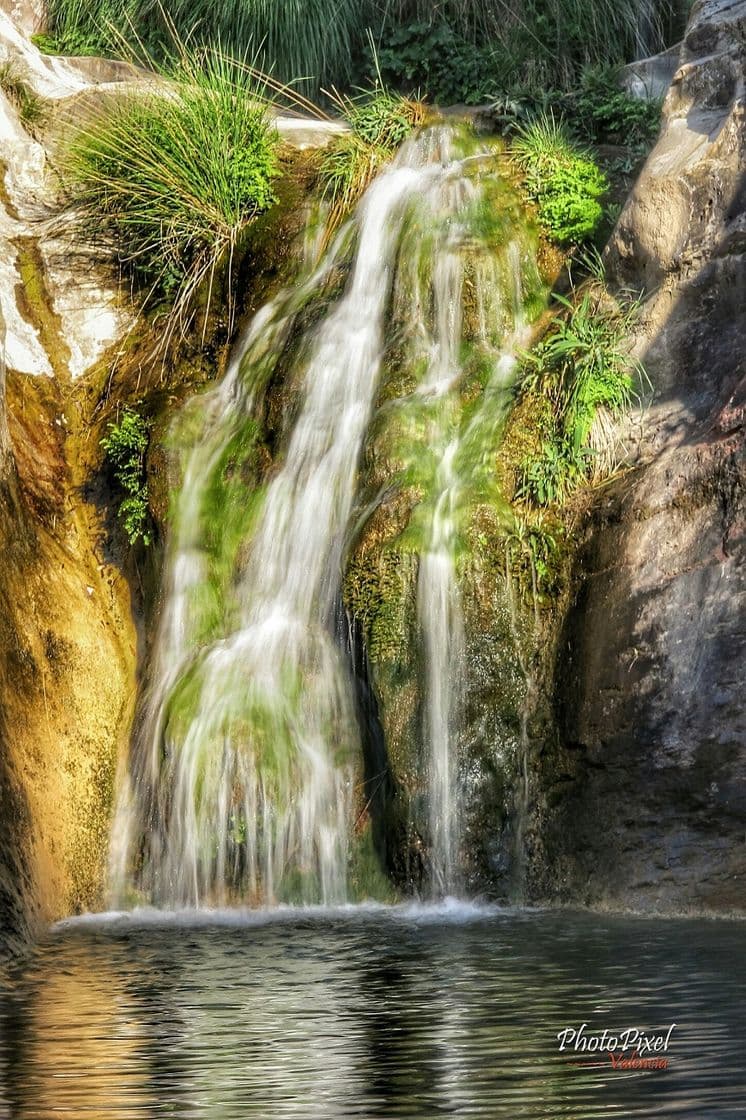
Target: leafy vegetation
x,y
580,373
79,27
31,109
171,178
379,123
600,110
561,178
604,113
126,445
438,60
459,51
455,50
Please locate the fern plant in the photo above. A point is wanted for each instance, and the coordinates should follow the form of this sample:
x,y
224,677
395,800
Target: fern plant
x,y
126,445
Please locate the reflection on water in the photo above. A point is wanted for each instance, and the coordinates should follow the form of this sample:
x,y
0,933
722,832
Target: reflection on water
x,y
371,1013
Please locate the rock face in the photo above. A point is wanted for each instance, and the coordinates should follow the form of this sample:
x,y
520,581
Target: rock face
x,y
67,635
642,800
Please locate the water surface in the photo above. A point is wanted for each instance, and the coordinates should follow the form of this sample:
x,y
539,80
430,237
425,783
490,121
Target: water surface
x,y
373,1013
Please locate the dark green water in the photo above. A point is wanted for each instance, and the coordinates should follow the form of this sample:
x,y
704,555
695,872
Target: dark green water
x,y
372,1013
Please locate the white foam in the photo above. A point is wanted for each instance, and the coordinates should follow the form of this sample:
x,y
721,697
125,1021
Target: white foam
x,y
449,911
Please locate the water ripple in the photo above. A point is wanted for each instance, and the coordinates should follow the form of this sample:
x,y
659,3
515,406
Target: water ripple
x,y
369,1012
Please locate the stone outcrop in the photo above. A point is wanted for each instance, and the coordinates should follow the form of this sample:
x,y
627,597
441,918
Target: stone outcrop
x,y
642,800
650,78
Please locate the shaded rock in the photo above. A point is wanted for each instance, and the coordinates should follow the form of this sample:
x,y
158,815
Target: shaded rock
x,y
650,78
642,800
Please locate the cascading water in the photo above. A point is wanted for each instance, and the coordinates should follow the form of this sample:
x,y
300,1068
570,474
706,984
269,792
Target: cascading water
x,y
438,597
242,778
461,443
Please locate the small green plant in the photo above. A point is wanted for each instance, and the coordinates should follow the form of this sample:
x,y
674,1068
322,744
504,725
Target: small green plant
x,y
31,109
126,445
583,371
533,553
607,114
379,123
46,43
561,178
171,177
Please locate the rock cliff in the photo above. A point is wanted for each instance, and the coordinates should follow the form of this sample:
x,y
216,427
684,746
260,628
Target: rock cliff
x,y
642,797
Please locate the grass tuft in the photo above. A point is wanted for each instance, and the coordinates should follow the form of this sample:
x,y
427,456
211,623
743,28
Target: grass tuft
x,y
170,178
379,123
584,378
31,108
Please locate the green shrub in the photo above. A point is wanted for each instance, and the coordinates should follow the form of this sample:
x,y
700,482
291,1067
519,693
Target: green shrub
x,y
171,177
126,445
604,113
600,111
561,178
436,59
568,200
583,369
457,51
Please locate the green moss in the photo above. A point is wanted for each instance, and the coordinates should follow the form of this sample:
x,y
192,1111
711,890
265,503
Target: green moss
x,y
37,308
366,878
379,591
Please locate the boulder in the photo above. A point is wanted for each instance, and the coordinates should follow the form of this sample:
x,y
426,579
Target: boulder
x,y
650,78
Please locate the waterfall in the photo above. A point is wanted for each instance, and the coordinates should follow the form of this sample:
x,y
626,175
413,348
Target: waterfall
x,y
500,330
243,779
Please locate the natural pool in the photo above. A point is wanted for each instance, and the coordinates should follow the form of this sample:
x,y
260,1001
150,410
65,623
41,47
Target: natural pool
x,y
373,1012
